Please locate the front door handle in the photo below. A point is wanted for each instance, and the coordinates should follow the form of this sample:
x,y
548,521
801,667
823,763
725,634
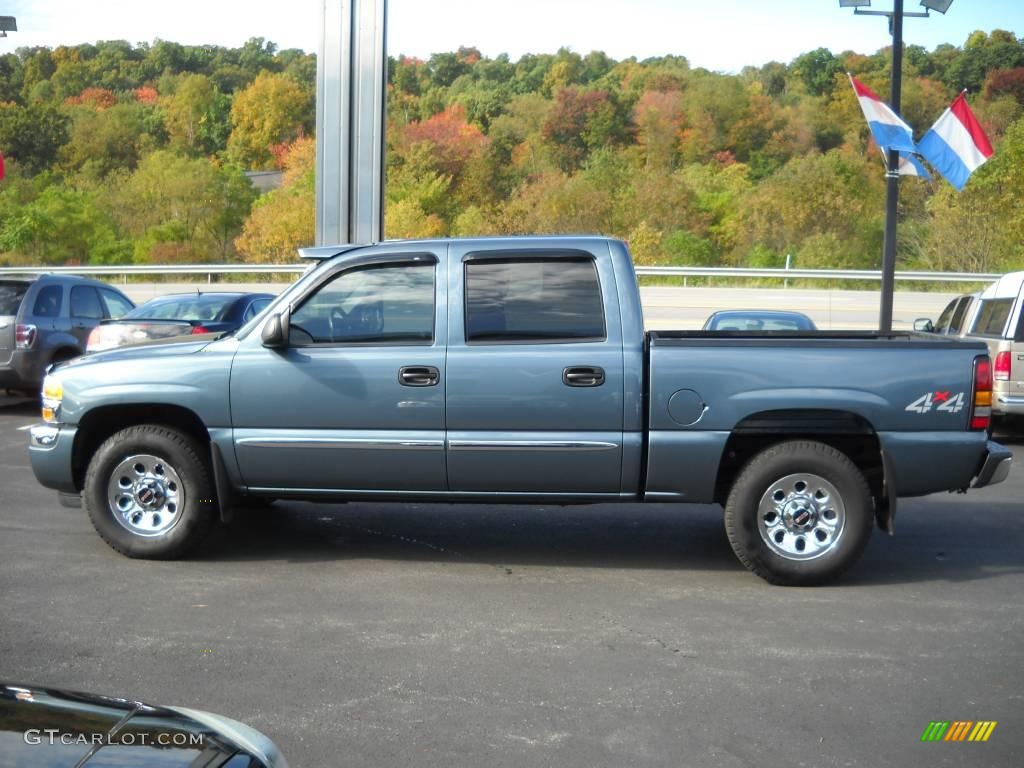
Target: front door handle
x,y
418,376
583,376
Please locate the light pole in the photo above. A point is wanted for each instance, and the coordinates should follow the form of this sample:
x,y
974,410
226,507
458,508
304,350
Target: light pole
x,y
892,172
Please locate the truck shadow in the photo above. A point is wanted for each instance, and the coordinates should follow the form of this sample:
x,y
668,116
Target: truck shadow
x,y
624,536
932,542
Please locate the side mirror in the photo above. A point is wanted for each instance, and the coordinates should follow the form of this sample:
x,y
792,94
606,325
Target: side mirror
x,y
275,331
924,324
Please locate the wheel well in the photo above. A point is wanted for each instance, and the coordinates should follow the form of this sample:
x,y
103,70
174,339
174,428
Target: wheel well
x,y
846,432
100,423
64,353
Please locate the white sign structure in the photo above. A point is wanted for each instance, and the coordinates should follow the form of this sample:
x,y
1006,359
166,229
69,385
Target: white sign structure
x,y
351,74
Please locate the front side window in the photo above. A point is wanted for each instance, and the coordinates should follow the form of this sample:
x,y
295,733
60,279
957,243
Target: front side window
x,y
992,317
85,302
117,305
532,299
392,304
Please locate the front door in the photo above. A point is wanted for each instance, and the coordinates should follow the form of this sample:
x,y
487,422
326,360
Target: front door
x,y
356,400
535,374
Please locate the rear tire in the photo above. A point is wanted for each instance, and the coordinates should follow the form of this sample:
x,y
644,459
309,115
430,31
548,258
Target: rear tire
x,y
149,493
799,514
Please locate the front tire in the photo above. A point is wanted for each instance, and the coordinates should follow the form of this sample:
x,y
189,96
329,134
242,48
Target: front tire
x,y
799,514
149,493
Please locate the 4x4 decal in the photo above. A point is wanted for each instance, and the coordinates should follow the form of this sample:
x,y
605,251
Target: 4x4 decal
x,y
939,401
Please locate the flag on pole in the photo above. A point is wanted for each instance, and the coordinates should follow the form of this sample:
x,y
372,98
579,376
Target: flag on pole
x,y
910,165
886,126
956,145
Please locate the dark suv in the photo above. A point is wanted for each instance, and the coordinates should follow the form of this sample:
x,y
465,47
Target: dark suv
x,y
48,319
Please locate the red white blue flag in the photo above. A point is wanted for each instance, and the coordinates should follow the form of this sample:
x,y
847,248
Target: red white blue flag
x,y
956,145
886,126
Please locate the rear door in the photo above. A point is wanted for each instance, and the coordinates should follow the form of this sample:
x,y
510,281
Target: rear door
x,y
11,294
86,312
535,373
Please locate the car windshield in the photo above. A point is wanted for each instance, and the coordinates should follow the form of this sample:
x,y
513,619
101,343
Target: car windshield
x,y
193,308
11,294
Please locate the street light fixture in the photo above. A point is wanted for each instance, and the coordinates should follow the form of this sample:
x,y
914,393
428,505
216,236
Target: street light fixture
x,y
892,173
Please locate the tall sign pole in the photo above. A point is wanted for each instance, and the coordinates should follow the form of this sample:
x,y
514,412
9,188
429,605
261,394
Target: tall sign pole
x,y
351,77
892,178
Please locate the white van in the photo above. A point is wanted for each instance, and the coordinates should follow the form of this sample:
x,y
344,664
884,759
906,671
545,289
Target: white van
x,y
999,321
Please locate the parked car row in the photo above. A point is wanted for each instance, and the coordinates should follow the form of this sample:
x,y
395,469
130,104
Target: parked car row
x,y
53,318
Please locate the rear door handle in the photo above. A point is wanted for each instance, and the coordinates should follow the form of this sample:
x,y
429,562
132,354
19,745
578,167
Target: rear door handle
x,y
583,376
418,376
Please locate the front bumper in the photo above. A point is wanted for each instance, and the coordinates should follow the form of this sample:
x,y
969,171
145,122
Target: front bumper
x,y
50,450
995,467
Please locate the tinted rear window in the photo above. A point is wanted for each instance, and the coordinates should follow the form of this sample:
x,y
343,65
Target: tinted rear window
x,y
199,307
48,301
11,295
943,323
992,317
533,300
960,314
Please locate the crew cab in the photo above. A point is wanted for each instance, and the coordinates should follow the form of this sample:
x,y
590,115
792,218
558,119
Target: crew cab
x,y
516,370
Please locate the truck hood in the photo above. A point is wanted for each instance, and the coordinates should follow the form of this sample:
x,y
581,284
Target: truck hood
x,y
143,352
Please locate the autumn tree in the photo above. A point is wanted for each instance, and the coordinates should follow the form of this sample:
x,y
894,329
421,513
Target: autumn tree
x,y
283,219
270,111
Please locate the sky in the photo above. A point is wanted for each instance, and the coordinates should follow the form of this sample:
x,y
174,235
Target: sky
x,y
722,35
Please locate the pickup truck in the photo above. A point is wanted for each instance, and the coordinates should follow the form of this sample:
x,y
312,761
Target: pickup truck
x,y
516,370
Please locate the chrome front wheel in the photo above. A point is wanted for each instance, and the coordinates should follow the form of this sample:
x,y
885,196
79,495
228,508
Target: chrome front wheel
x,y
146,495
149,491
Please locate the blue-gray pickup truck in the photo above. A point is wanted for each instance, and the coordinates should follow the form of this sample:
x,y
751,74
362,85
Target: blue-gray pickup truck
x,y
516,370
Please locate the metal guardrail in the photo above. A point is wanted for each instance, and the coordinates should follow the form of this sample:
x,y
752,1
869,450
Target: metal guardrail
x,y
212,270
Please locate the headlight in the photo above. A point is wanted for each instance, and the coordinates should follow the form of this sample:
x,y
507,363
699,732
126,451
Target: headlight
x,y
53,394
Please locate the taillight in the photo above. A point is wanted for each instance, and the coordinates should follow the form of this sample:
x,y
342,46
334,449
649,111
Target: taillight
x,y
1002,367
981,412
24,335
197,329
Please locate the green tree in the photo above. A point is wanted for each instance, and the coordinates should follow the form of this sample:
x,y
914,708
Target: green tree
x,y
32,135
197,116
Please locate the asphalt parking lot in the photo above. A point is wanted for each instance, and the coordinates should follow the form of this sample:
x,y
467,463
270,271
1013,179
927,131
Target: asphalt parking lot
x,y
386,634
